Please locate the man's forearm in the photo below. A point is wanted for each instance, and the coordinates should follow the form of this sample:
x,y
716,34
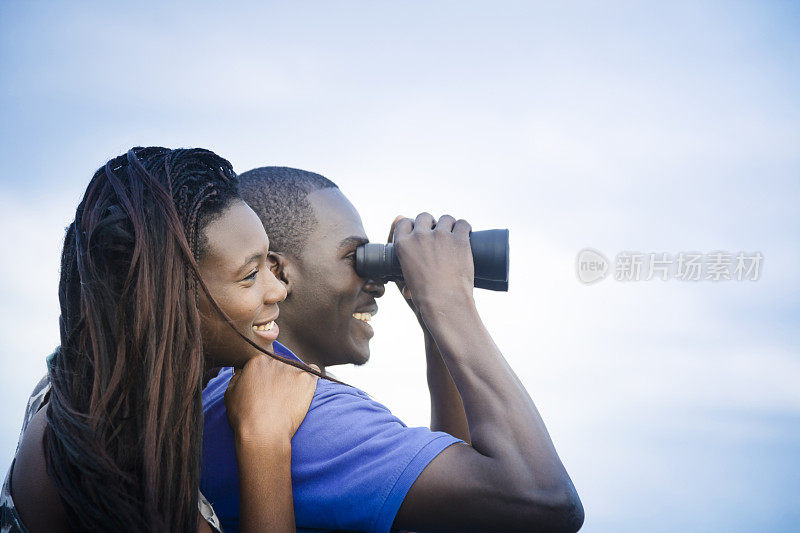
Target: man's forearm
x,y
447,411
504,423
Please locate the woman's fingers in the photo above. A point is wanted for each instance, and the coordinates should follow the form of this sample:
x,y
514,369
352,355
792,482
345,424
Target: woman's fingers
x,y
268,397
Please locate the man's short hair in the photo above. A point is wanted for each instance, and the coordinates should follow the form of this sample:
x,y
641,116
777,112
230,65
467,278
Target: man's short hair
x,y
279,196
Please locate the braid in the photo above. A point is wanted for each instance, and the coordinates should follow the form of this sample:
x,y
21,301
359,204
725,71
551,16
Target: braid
x,y
125,416
124,434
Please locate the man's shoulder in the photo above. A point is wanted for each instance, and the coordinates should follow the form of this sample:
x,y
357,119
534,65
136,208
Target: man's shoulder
x,y
214,392
347,440
327,394
327,388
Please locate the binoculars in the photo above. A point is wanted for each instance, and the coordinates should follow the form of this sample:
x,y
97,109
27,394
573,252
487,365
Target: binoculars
x,y
489,255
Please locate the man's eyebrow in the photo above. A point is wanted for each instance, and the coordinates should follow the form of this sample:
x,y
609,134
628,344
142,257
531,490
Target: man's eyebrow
x,y
352,241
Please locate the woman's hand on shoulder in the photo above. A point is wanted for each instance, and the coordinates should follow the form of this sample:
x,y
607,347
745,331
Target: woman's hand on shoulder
x,y
267,400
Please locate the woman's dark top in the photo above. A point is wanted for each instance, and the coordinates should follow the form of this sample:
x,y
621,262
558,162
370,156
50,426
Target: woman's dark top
x,y
10,521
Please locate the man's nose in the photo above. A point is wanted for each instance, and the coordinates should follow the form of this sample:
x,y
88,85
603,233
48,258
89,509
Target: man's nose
x,y
375,287
275,291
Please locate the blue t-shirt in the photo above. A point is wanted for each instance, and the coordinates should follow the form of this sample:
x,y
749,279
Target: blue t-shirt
x,y
352,460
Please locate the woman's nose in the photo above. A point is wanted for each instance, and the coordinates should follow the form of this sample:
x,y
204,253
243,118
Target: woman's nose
x,y
275,291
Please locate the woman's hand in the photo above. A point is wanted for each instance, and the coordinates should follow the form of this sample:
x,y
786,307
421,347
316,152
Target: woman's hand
x,y
268,400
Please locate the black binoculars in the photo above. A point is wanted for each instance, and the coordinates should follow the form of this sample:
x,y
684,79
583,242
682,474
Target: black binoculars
x,y
489,255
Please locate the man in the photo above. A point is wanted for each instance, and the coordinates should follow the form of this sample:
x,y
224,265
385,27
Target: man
x,y
354,465
314,232
314,235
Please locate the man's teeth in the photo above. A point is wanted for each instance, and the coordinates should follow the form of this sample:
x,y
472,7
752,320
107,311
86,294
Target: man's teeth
x,y
264,327
366,317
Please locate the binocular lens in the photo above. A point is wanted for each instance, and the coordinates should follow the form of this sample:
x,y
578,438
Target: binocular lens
x,y
489,256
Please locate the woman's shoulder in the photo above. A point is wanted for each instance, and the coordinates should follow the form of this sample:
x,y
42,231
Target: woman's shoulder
x,y
37,400
34,494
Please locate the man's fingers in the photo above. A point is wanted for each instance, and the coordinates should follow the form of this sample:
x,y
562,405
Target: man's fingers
x,y
424,222
402,227
462,228
445,224
397,219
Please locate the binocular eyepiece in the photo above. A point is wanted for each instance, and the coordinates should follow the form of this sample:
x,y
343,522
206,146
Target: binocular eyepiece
x,y
489,256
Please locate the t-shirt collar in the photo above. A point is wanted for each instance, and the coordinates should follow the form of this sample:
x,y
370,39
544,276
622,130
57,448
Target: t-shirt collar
x,y
283,351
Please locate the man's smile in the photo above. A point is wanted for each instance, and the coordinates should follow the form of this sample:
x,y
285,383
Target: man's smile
x,y
366,313
364,317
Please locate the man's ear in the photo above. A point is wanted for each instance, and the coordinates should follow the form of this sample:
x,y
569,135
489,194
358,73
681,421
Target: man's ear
x,y
282,268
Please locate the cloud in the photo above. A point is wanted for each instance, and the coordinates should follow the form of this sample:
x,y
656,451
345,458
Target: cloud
x,y
657,129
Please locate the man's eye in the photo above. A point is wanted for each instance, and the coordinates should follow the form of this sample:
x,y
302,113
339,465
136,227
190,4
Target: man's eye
x,y
251,275
351,256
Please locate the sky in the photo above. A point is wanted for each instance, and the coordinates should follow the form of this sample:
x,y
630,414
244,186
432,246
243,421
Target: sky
x,y
640,127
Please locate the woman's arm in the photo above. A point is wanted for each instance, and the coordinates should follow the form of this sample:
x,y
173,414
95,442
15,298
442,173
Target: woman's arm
x,y
202,525
266,402
265,484
35,495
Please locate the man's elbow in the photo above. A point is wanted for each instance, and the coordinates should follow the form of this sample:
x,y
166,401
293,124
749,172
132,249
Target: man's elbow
x,y
558,511
570,512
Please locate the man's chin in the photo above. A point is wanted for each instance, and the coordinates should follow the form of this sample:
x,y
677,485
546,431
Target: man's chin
x,y
361,360
357,357
352,354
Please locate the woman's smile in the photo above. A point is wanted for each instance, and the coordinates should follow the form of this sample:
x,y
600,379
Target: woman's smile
x,y
267,331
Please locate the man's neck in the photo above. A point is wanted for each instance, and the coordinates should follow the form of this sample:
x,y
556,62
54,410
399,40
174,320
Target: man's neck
x,y
296,345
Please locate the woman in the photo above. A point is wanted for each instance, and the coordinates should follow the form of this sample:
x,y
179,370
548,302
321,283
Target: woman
x,y
164,275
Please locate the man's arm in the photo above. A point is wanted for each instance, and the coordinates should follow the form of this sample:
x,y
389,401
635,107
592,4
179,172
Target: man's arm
x,y
447,411
511,478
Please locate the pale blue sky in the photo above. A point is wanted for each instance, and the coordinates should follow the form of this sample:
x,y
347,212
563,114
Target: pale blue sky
x,y
620,126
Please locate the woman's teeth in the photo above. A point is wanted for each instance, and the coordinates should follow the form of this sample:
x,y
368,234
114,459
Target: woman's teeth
x,y
264,327
365,317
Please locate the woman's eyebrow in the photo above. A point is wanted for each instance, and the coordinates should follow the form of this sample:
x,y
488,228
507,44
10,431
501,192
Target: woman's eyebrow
x,y
255,257
352,241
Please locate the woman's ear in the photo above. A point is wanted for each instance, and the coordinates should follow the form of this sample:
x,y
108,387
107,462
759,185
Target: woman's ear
x,y
281,269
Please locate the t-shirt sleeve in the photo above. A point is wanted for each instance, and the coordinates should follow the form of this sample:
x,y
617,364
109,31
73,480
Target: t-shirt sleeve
x,y
353,462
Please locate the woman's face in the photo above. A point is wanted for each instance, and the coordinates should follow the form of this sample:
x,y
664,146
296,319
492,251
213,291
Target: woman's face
x,y
236,269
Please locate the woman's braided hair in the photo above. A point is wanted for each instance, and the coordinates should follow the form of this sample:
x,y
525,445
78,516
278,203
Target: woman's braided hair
x,y
124,433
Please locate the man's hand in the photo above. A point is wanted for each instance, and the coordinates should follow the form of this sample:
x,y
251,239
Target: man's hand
x,y
401,285
436,259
